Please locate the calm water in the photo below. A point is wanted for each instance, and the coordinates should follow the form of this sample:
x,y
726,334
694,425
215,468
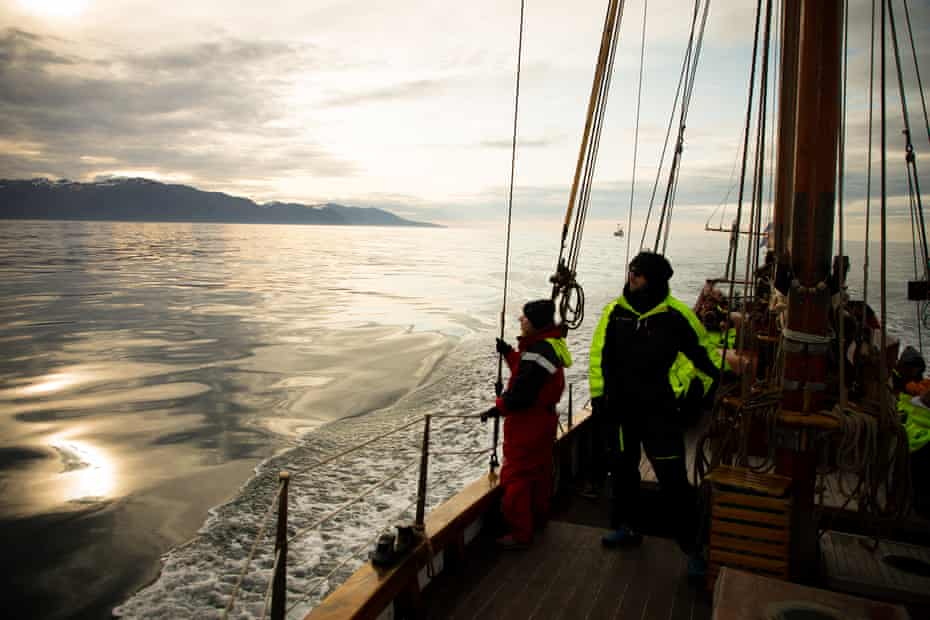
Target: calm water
x,y
156,377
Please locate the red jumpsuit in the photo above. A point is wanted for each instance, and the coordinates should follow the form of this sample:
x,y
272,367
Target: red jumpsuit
x,y
537,380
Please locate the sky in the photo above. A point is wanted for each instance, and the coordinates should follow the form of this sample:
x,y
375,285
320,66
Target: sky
x,y
406,105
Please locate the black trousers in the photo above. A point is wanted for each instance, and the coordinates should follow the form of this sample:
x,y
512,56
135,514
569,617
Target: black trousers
x,y
920,479
665,449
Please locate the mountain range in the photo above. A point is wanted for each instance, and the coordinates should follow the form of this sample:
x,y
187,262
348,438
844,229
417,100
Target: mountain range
x,y
135,199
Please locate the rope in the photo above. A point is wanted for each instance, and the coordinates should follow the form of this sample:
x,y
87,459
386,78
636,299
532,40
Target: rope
x,y
910,157
460,453
359,549
564,284
363,495
920,86
805,338
734,238
358,447
755,212
841,312
668,130
499,384
274,571
639,98
248,560
868,182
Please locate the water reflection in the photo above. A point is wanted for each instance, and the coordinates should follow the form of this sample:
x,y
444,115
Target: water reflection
x,y
89,473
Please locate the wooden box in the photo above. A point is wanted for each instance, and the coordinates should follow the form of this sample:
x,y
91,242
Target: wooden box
x,y
750,526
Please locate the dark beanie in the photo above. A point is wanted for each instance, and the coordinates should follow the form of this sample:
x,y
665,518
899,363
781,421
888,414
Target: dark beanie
x,y
911,358
654,266
540,313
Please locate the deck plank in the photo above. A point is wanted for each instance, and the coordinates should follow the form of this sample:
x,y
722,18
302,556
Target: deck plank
x,y
566,573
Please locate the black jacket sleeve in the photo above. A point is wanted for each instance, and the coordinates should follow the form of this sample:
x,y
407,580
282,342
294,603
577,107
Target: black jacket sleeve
x,y
531,376
691,346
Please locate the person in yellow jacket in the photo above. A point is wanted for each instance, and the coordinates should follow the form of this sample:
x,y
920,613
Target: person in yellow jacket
x,y
641,342
914,408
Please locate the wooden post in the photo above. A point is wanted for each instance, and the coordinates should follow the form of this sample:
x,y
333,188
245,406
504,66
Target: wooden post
x,y
424,466
279,589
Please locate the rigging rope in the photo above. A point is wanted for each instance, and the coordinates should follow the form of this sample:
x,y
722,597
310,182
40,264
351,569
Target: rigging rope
x,y
690,78
499,383
565,288
682,85
841,354
734,237
868,182
920,86
910,156
639,98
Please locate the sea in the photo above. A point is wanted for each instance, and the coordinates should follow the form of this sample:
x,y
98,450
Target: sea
x,y
156,379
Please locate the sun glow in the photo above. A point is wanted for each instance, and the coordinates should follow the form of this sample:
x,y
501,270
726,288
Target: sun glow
x,y
55,8
89,473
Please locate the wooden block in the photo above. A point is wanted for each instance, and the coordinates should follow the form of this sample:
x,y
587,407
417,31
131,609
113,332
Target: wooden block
x,y
780,535
750,516
729,543
753,501
778,568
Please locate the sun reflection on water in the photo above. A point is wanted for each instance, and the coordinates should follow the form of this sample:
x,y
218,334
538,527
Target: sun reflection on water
x,y
89,473
52,382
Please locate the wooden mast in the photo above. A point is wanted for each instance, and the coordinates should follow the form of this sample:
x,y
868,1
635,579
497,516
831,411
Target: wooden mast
x,y
805,340
787,109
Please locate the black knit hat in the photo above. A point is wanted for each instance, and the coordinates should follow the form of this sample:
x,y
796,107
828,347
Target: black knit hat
x,y
911,358
540,313
654,266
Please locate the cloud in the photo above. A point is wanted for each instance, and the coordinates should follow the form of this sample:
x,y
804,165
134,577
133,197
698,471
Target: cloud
x,y
208,110
415,89
536,143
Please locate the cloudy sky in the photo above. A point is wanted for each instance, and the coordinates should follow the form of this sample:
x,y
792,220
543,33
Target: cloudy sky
x,y
405,105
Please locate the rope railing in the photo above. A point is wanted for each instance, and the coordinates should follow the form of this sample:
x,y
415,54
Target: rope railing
x,y
358,550
276,589
248,561
274,571
353,501
358,447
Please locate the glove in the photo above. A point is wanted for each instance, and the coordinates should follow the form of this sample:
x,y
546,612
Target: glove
x,y
493,412
502,347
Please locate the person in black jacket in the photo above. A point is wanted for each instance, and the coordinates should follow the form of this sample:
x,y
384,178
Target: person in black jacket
x,y
633,350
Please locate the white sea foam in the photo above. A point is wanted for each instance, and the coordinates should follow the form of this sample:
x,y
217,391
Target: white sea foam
x,y
198,579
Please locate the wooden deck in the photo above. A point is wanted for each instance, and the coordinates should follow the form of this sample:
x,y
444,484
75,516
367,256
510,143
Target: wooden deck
x,y
566,573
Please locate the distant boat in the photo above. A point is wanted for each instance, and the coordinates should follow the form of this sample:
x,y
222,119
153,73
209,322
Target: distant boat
x,y
619,231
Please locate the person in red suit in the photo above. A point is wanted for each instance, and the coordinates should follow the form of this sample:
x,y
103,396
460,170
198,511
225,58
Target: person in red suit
x,y
537,380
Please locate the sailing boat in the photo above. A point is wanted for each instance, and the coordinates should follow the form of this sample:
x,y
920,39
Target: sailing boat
x,y
619,231
760,522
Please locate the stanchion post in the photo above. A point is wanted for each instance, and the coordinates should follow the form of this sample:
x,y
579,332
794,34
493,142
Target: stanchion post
x,y
570,388
497,431
279,589
424,466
